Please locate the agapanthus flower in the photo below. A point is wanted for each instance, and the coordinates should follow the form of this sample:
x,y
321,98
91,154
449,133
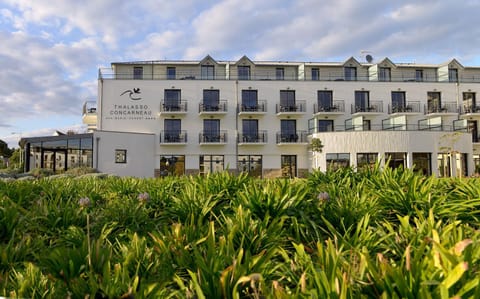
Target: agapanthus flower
x,y
323,196
84,202
143,197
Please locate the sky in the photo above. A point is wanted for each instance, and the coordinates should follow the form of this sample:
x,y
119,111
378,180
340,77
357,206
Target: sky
x,y
51,50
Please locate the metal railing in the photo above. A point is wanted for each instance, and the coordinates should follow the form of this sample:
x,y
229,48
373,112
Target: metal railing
x,y
213,137
167,106
446,107
409,107
260,106
466,109
395,127
292,137
299,106
373,107
173,136
337,106
220,107
253,137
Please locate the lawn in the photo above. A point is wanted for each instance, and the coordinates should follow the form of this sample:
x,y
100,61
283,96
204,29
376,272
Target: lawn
x,y
345,234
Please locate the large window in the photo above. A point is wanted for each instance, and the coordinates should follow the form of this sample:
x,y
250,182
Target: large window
x,y
243,72
211,163
337,160
419,75
172,100
172,165
171,73
367,160
137,72
398,101
279,73
288,130
350,73
395,160
250,100
287,100
325,125
422,163
362,100
208,72
385,74
315,74
211,99
211,130
250,130
453,75
173,129
324,100
251,164
433,102
289,166
469,102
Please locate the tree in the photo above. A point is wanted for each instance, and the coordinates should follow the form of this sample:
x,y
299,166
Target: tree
x,y
316,147
16,159
4,150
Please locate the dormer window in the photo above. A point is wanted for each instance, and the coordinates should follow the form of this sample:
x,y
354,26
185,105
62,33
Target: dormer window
x,y
280,73
350,73
453,75
208,72
137,72
243,72
384,74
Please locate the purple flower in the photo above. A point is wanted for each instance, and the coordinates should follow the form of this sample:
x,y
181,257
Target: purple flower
x,y
143,197
84,202
323,196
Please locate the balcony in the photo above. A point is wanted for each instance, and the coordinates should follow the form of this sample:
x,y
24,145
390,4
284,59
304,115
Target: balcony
x,y
291,138
213,138
469,111
252,138
89,114
169,108
259,108
336,108
295,109
173,137
373,108
220,108
406,109
445,109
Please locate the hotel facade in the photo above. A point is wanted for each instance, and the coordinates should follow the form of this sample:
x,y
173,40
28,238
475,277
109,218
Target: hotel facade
x,y
158,118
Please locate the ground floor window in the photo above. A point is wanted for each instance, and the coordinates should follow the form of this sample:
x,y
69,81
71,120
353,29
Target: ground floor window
x,y
172,165
461,163
366,160
337,160
289,166
443,162
252,164
395,160
476,163
422,163
211,163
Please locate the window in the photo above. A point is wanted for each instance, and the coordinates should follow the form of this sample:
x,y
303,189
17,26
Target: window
x,y
336,161
325,100
476,163
366,125
280,73
208,72
453,75
350,73
289,166
362,101
443,162
288,130
419,75
366,160
172,165
315,74
250,130
211,99
211,130
472,128
211,163
249,100
137,72
173,129
395,160
120,156
172,100
398,101
171,73
287,100
422,163
385,74
433,102
251,164
243,72
325,125
469,103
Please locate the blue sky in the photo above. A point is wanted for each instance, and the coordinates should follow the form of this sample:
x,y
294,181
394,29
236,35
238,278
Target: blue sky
x,y
52,49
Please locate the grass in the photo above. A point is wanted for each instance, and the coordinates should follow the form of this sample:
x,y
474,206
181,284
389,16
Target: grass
x,y
344,234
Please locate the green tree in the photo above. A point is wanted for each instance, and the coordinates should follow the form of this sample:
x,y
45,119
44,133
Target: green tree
x,y
15,159
4,150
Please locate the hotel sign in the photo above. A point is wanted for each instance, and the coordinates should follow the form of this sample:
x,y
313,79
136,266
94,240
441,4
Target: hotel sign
x,y
131,110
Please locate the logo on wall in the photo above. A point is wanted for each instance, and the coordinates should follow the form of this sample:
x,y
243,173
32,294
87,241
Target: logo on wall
x,y
131,94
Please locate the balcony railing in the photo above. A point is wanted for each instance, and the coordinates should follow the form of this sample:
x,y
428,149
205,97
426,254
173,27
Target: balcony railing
x,y
213,137
421,126
169,107
469,109
410,107
292,137
253,137
173,137
447,107
299,106
337,106
260,106
220,107
373,107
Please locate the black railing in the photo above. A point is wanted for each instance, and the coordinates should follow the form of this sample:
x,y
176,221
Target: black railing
x,y
337,106
409,107
373,107
220,107
213,137
253,137
292,137
466,109
299,106
174,136
180,106
447,107
260,106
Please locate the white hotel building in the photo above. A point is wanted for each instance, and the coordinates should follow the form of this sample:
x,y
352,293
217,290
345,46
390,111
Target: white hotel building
x,y
156,118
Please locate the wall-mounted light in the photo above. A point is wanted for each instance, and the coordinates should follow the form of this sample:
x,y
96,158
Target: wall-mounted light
x,y
249,87
173,87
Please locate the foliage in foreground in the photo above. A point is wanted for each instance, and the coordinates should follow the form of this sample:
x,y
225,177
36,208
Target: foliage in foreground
x,y
390,234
